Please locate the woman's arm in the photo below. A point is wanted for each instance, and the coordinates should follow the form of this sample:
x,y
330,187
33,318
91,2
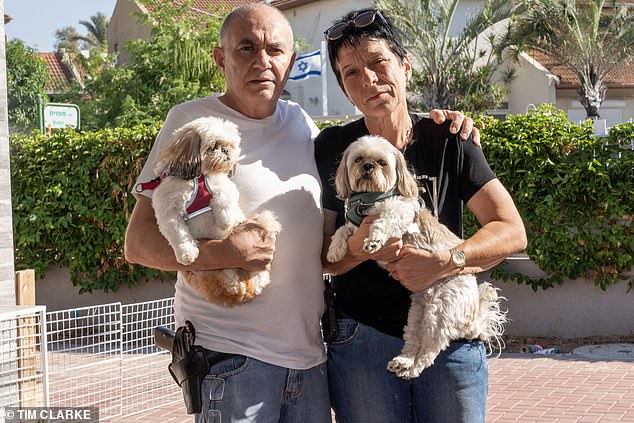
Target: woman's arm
x,y
502,233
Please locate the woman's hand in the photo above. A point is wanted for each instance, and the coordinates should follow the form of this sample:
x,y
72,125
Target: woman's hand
x,y
389,252
418,269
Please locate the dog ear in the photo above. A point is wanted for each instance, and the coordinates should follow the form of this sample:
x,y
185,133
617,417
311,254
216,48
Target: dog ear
x,y
405,181
342,179
181,158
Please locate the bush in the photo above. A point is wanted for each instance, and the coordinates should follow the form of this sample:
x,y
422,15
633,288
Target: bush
x,y
574,191
71,203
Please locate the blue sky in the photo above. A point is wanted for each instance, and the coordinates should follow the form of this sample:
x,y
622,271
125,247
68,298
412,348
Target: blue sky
x,y
35,21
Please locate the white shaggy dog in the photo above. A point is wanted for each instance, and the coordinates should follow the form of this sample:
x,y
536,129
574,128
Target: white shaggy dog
x,y
197,199
452,308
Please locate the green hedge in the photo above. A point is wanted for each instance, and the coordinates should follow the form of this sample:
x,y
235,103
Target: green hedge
x,y
71,198
574,191
71,203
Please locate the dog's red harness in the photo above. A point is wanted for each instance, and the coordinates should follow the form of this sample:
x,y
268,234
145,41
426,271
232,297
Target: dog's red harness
x,y
198,203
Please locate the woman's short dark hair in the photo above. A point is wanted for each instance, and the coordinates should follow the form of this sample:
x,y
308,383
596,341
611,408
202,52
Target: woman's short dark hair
x,y
381,28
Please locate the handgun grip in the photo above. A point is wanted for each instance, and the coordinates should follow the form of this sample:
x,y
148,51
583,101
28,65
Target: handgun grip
x,y
164,338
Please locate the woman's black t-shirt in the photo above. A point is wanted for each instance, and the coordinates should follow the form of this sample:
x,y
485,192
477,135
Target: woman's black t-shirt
x,y
448,172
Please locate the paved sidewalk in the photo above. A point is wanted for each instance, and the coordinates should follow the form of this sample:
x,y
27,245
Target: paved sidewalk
x,y
528,388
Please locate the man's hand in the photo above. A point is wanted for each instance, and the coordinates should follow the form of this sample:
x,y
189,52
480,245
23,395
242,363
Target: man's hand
x,y
459,120
251,246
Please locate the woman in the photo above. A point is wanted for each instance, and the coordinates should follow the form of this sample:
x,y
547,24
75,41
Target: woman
x,y
372,68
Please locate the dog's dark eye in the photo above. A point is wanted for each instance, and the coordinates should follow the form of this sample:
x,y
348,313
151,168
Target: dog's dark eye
x,y
382,162
358,160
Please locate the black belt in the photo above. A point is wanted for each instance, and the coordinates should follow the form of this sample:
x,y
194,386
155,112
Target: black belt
x,y
343,315
215,357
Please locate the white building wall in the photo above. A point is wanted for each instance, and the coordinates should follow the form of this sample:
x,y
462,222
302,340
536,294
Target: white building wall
x,y
533,85
124,26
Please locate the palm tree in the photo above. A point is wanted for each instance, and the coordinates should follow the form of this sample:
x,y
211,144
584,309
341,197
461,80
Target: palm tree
x,y
97,29
583,36
458,72
67,39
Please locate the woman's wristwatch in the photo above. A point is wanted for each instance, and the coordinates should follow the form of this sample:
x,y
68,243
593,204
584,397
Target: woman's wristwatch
x,y
458,259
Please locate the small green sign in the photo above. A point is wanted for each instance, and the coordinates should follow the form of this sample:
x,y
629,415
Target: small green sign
x,y
58,115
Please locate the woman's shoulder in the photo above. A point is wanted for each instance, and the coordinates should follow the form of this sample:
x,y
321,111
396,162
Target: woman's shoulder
x,y
437,132
340,136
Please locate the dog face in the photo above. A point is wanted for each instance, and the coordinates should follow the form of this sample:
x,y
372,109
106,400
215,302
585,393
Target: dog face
x,y
372,164
204,146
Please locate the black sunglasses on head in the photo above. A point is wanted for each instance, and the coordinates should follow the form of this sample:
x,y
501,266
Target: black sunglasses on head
x,y
363,19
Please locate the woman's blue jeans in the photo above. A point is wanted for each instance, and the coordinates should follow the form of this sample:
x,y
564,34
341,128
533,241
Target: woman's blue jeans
x,y
245,390
362,390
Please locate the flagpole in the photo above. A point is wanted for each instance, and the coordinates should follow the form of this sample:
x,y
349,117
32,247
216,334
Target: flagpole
x,y
324,82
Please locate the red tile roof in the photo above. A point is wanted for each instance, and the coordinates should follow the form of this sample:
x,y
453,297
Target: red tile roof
x,y
620,77
205,6
288,4
60,75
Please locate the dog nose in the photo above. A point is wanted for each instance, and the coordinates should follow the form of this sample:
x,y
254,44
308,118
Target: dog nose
x,y
368,167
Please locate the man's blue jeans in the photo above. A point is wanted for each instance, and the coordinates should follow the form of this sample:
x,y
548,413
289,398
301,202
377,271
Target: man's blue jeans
x,y
245,390
362,390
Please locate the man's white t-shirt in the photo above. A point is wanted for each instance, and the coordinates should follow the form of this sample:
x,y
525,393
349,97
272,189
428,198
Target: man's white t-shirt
x,y
277,172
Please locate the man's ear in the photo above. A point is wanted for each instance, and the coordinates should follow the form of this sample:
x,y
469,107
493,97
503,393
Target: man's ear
x,y
291,62
219,58
293,57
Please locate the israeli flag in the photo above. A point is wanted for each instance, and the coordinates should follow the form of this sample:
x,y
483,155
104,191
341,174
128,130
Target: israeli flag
x,y
306,65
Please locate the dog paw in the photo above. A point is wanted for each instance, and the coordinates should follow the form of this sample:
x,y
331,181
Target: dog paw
x,y
335,254
404,367
187,254
399,364
371,245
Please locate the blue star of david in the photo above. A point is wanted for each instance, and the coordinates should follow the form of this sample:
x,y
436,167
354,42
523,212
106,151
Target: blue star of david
x,y
302,66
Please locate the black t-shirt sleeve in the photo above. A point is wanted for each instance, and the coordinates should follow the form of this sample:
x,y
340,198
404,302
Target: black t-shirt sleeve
x,y
324,152
475,170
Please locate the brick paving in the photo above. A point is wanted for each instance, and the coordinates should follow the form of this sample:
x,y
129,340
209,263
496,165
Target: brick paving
x,y
526,388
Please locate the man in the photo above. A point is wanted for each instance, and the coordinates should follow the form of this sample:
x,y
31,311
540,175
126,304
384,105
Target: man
x,y
277,369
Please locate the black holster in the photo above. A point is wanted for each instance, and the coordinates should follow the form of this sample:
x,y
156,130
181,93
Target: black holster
x,y
189,364
329,327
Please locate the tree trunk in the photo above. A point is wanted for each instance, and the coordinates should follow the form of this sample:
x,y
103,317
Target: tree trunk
x,y
591,93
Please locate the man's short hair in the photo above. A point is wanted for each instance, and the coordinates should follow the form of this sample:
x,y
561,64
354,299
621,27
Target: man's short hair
x,y
242,12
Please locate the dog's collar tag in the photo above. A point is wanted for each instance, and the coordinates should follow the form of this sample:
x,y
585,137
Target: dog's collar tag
x,y
359,203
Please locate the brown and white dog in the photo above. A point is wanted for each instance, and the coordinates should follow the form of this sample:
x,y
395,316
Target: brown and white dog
x,y
197,199
452,308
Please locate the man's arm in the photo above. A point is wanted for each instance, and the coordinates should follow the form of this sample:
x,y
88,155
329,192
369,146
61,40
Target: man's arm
x,y
248,247
502,233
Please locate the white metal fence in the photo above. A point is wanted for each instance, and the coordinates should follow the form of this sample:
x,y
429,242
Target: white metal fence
x,y
23,375
100,356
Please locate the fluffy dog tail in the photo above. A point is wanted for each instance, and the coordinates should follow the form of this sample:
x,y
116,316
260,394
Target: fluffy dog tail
x,y
491,317
268,220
